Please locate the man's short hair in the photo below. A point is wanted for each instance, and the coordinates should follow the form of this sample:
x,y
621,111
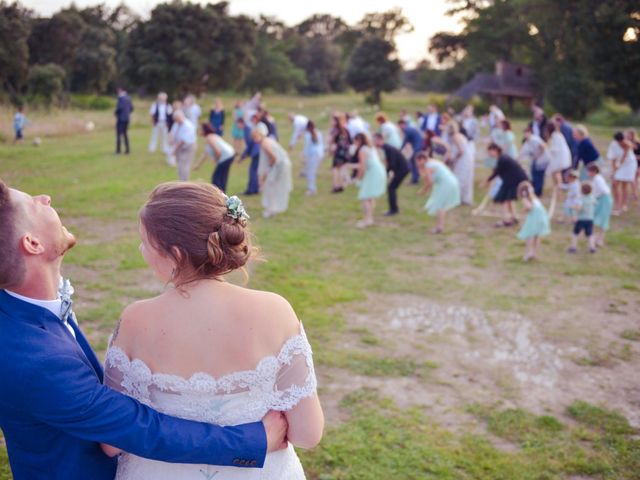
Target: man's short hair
x,y
12,268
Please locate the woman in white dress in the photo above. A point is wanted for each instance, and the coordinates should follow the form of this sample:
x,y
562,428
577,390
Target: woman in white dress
x,y
274,171
625,166
206,349
459,155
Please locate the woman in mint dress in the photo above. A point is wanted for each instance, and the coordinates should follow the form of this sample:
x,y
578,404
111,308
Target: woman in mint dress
x,y
445,189
536,224
372,176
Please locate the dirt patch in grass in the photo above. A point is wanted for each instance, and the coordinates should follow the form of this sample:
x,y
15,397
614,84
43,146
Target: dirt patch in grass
x,y
488,357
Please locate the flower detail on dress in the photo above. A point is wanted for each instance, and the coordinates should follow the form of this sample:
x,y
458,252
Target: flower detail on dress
x,y
235,209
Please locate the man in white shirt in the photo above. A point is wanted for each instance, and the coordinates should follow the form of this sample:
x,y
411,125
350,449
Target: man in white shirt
x,y
299,124
192,110
184,140
356,125
160,113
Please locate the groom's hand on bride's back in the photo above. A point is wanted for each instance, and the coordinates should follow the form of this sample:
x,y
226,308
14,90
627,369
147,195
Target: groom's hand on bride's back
x,y
276,426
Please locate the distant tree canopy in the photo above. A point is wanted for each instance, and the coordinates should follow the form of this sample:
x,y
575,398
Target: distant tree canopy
x,y
578,47
582,50
188,47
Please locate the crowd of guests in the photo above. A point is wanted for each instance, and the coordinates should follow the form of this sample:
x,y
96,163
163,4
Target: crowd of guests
x,y
439,150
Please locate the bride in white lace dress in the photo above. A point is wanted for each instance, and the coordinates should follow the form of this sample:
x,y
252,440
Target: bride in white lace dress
x,y
208,350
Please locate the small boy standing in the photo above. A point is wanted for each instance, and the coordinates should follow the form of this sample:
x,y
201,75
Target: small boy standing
x,y
585,209
19,122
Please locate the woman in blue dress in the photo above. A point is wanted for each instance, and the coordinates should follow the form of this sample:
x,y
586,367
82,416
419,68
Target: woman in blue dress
x,y
372,176
216,117
536,224
237,133
445,189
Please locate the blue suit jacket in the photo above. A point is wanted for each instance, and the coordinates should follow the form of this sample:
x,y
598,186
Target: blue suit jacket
x,y
124,108
424,128
54,409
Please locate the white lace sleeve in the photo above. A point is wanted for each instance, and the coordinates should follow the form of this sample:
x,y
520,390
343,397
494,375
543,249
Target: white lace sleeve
x,y
296,379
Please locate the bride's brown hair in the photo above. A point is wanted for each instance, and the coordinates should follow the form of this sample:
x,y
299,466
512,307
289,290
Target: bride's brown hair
x,y
190,222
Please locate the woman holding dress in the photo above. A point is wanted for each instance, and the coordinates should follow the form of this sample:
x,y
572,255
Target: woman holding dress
x,y
220,152
459,153
371,175
313,154
536,224
206,349
274,171
445,189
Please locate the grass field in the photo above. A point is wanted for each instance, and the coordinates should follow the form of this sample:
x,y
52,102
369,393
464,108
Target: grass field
x,y
438,356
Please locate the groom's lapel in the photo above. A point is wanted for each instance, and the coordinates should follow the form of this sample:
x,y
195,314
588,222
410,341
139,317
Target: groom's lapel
x,y
86,348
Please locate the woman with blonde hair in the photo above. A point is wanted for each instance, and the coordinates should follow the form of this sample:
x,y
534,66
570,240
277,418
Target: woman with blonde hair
x,y
206,349
274,172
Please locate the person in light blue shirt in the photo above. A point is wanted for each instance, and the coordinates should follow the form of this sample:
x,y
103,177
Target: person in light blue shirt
x,y
19,122
585,213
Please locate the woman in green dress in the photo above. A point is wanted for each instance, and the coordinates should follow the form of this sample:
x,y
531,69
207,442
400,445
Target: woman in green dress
x,y
371,175
445,189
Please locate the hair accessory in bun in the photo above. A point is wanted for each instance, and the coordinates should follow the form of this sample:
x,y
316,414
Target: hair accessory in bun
x,y
235,209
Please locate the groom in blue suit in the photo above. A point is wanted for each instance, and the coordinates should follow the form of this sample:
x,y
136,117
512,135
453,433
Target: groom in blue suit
x,y
54,409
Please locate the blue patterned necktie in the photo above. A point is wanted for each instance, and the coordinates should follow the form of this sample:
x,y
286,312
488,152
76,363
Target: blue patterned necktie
x,y
66,290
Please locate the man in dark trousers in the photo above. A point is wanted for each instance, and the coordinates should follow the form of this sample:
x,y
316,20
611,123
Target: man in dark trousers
x,y
123,112
396,164
413,137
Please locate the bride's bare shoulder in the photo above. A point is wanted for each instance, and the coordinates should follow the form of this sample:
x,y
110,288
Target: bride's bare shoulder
x,y
274,312
133,321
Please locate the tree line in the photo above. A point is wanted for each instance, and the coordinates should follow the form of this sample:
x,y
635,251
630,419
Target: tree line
x,y
185,47
581,50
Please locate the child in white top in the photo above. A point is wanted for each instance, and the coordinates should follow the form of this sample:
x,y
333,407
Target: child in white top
x,y
573,195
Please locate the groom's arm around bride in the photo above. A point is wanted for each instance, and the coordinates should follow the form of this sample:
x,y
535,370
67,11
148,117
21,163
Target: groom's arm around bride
x,y
54,409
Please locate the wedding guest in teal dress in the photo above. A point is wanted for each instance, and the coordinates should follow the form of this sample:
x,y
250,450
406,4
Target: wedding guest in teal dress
x,y
371,175
445,189
536,224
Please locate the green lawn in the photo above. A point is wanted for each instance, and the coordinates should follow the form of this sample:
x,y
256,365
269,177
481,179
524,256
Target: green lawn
x,y
331,271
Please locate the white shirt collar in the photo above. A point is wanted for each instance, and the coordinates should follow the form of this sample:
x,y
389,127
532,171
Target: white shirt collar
x,y
54,306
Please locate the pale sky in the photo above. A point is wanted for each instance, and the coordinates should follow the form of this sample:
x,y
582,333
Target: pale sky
x,y
427,16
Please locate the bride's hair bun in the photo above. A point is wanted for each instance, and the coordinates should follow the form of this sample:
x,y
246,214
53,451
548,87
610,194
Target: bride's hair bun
x,y
191,223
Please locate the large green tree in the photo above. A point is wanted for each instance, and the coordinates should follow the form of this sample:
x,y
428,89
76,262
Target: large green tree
x,y
15,25
273,68
373,68
189,47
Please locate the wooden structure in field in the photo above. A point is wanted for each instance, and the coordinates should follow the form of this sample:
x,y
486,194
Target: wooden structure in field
x,y
510,81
